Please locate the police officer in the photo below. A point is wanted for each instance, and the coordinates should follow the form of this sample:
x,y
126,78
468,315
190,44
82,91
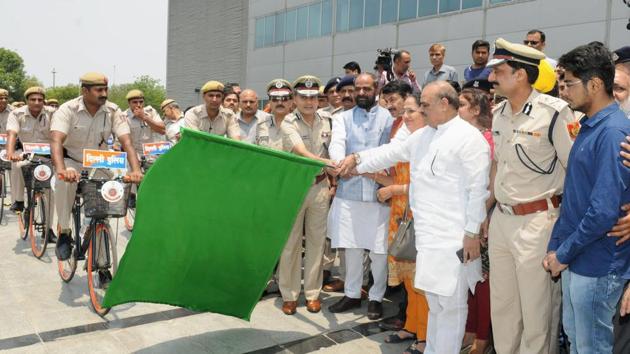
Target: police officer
x,y
145,122
31,124
532,143
52,103
210,116
345,89
85,122
5,109
280,94
173,119
306,132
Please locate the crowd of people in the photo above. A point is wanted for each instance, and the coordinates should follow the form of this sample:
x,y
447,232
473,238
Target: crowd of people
x,y
511,193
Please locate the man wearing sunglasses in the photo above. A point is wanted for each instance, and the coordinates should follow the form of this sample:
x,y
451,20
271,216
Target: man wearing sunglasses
x,y
536,39
280,94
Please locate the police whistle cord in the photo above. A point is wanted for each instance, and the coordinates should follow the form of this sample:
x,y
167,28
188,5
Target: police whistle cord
x,y
537,169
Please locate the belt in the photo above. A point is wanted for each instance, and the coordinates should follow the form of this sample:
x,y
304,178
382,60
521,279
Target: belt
x,y
531,207
320,178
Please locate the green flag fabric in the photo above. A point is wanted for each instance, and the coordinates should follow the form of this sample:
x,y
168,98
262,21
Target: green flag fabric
x,y
213,216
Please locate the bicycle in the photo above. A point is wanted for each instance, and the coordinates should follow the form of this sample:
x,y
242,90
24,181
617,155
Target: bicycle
x,y
130,217
37,177
99,199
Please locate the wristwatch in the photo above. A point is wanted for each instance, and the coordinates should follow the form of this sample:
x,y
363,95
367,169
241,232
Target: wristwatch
x,y
357,158
471,235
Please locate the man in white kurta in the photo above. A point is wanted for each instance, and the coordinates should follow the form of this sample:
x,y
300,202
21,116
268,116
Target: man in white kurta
x,y
449,185
357,221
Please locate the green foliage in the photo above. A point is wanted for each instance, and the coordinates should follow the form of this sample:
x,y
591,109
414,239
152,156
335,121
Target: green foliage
x,y
63,93
12,73
154,92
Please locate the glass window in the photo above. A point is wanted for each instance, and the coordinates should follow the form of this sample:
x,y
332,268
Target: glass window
x,y
428,7
356,14
290,25
469,4
498,1
279,28
260,32
449,5
372,12
302,23
326,17
408,9
269,24
315,20
342,15
389,11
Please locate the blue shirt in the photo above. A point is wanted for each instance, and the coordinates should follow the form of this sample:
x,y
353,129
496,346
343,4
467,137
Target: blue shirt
x,y
476,74
595,188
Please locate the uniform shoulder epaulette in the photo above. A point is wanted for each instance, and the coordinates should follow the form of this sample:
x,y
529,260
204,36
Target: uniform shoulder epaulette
x,y
499,107
324,114
73,104
553,102
111,106
266,119
291,117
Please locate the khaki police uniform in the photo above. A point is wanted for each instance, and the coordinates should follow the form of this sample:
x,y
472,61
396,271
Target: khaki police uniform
x,y
531,160
83,131
313,215
4,116
28,129
141,132
223,124
268,133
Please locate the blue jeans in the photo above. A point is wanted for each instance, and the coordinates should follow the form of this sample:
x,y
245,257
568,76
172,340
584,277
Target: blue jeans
x,y
588,306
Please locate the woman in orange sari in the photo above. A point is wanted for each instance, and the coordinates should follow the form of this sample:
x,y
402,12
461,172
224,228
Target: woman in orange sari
x,y
396,188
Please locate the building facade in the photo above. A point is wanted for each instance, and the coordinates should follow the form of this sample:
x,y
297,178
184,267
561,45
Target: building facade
x,y
253,42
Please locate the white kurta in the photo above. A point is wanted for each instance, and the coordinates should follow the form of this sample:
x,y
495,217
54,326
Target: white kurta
x,y
449,186
355,224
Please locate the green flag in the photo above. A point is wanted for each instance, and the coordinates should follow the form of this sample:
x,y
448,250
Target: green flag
x,y
212,218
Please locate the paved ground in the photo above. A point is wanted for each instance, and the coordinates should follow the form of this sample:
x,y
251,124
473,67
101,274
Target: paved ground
x,y
41,314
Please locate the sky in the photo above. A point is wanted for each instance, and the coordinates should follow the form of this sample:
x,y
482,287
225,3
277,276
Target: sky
x,y
121,39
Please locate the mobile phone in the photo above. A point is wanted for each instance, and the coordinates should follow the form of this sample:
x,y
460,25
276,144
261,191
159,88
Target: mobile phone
x,y
460,255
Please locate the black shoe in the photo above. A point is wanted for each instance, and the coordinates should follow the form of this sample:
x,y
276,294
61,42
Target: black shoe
x,y
345,304
17,206
64,246
51,236
104,278
392,324
375,310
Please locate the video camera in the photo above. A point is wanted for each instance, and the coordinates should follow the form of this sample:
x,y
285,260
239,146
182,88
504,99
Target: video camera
x,y
384,60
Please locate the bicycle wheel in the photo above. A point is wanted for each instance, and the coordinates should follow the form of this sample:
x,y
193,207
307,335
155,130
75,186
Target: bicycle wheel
x,y
67,268
102,257
3,194
37,224
130,219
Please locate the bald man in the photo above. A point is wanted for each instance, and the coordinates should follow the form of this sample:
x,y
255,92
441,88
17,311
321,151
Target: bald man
x,y
450,164
249,116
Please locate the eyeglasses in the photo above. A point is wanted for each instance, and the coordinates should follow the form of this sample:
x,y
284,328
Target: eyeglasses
x,y
280,99
526,42
572,83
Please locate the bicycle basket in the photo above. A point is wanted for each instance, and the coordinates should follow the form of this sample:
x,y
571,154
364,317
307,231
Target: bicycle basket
x,y
28,172
95,206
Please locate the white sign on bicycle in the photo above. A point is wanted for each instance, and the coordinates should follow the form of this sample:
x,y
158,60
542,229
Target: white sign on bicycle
x,y
36,148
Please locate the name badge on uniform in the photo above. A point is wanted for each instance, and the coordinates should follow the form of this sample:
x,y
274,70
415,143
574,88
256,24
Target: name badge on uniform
x,y
159,148
3,139
104,159
36,148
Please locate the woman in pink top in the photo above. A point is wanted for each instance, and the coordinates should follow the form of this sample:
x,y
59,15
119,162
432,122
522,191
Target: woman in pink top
x,y
475,108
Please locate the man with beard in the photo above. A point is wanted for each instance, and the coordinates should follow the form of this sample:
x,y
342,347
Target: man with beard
x,y
532,136
85,122
268,133
357,221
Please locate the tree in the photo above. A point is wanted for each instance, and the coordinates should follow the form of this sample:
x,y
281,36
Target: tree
x,y
63,93
29,81
154,92
12,73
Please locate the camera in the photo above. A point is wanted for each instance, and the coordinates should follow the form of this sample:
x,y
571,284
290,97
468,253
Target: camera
x,y
384,60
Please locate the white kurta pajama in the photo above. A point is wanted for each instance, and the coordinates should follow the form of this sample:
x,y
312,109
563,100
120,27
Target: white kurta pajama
x,y
358,225
449,169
